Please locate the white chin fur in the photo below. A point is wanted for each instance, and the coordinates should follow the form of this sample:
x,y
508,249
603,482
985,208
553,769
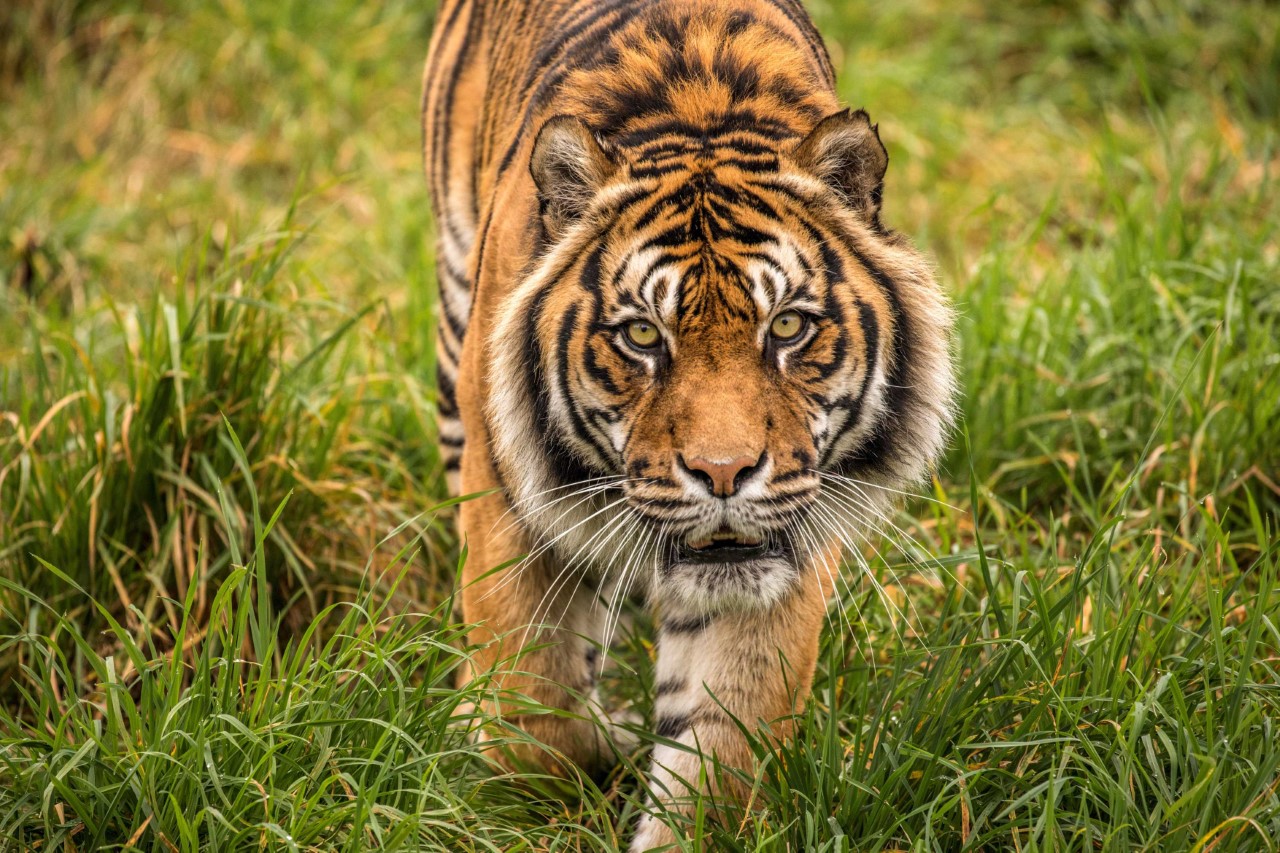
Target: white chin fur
x,y
698,589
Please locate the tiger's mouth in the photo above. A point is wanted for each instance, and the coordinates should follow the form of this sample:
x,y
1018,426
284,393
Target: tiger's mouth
x,y
726,546
728,571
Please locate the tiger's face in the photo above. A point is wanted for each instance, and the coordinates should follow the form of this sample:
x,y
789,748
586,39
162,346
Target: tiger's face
x,y
733,371
703,361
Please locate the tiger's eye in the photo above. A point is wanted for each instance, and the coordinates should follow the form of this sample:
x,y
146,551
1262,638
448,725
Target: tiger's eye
x,y
642,334
787,325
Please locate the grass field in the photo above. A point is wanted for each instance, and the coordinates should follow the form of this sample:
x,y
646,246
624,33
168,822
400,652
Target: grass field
x,y
225,620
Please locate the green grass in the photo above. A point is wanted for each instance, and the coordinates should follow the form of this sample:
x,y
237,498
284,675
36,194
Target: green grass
x,y
225,574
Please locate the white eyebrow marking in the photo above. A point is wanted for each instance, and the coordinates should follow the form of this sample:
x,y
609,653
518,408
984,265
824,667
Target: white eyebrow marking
x,y
669,279
638,267
793,266
669,302
768,285
641,275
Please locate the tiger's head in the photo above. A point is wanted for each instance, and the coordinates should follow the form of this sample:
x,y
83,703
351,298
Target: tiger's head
x,y
719,363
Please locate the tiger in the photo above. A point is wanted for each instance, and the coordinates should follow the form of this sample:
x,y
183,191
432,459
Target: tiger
x,y
681,359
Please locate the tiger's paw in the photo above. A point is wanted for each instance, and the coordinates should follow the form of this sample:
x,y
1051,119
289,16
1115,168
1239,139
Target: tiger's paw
x,y
652,834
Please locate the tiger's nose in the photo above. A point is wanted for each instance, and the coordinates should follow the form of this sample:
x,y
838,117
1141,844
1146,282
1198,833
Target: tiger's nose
x,y
722,479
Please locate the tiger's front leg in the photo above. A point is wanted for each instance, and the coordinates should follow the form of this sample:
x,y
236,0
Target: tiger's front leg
x,y
755,666
537,626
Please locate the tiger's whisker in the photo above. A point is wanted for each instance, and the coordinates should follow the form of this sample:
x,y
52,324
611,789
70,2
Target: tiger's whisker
x,y
542,549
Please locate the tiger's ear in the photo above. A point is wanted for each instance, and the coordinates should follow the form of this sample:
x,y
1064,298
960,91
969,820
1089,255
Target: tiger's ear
x,y
569,166
844,150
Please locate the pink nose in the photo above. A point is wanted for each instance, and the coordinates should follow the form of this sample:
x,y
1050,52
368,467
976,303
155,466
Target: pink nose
x,y
722,478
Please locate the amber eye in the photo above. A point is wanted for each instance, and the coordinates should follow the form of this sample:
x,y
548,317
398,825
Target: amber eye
x,y
643,335
787,326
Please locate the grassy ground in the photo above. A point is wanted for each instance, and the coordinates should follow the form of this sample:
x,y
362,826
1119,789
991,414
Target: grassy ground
x,y
224,612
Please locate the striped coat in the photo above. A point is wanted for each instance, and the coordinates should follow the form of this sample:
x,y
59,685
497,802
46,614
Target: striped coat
x,y
678,344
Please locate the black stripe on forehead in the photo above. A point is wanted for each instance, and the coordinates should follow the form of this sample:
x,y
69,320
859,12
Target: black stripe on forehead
x,y
673,164
679,222
694,260
684,219
745,150
666,131
715,287
724,142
